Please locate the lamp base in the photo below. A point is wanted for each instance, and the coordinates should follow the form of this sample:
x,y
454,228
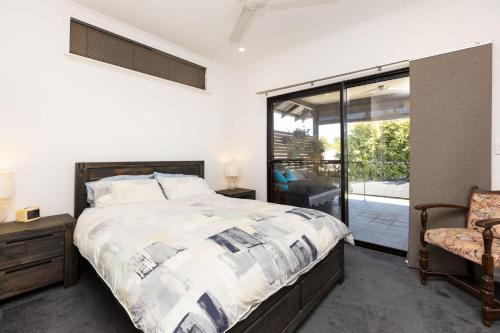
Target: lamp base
x,y
3,214
233,182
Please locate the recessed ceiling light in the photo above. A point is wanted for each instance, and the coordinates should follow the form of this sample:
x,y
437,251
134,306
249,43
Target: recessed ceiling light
x,y
241,49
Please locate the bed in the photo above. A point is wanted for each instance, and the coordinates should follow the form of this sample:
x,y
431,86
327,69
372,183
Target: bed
x,y
287,298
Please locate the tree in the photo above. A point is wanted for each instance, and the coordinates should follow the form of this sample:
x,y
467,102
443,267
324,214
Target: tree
x,y
311,149
376,150
361,147
302,144
394,148
379,151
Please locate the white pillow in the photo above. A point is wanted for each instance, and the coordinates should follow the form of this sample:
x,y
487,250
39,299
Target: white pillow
x,y
179,187
107,194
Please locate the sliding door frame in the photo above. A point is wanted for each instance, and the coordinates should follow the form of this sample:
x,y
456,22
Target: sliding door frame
x,y
404,72
344,105
338,86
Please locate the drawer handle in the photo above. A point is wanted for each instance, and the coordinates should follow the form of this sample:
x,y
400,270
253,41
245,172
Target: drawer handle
x,y
19,240
26,266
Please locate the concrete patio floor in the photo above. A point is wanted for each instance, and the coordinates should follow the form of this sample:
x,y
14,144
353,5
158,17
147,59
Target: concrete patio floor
x,y
378,220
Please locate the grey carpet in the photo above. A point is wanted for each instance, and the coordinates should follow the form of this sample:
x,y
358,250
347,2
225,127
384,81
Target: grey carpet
x,y
379,294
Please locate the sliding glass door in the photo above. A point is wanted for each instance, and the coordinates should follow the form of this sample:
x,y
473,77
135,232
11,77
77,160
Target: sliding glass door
x,y
378,127
344,149
305,166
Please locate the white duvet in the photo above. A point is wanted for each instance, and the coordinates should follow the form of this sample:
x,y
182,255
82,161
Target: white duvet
x,y
202,263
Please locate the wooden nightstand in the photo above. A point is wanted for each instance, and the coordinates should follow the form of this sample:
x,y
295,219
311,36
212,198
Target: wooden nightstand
x,y
240,193
36,254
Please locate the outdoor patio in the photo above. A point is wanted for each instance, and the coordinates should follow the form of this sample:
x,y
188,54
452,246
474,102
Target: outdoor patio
x,y
389,188
379,220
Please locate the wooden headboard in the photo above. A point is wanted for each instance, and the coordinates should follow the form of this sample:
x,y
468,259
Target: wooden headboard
x,y
87,172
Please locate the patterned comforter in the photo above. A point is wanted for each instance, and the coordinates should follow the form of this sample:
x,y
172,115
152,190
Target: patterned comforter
x,y
203,263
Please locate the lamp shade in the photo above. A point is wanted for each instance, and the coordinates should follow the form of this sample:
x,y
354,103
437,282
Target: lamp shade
x,y
6,184
231,170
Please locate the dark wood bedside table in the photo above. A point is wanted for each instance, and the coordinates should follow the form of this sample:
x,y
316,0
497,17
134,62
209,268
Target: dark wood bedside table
x,y
240,193
36,254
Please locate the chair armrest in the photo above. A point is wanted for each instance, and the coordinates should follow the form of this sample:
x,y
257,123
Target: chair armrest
x,y
439,205
424,216
487,223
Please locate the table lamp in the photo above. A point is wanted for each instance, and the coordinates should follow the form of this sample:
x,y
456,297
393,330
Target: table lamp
x,y
232,172
6,191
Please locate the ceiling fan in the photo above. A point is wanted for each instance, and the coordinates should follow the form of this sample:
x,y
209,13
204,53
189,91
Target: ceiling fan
x,y
379,89
250,7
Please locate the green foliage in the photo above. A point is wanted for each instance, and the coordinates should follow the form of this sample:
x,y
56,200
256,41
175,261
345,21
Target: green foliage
x,y
300,133
379,151
301,143
335,146
376,150
318,148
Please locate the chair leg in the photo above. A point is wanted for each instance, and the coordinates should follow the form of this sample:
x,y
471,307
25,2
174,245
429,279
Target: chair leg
x,y
471,271
424,265
487,282
424,254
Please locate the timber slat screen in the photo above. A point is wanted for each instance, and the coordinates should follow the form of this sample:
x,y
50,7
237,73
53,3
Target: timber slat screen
x,y
94,43
285,145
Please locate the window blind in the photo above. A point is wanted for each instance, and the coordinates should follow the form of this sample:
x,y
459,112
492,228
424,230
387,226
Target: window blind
x,y
95,43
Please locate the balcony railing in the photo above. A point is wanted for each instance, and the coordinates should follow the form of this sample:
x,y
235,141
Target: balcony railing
x,y
373,178
379,178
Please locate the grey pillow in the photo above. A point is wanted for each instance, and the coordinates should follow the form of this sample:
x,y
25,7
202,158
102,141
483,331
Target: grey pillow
x,y
90,192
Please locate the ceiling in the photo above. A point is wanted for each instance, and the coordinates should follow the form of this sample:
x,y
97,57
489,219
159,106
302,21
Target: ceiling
x,y
393,89
204,26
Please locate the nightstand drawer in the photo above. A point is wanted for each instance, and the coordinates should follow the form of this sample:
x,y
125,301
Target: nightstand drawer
x,y
238,193
29,248
250,196
22,278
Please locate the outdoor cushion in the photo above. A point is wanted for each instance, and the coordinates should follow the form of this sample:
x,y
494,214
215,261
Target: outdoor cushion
x,y
467,243
484,205
279,177
291,176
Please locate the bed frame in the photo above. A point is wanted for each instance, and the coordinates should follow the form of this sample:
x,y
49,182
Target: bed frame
x,y
282,312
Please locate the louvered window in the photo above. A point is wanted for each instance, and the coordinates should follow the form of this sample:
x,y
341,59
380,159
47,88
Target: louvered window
x,y
95,43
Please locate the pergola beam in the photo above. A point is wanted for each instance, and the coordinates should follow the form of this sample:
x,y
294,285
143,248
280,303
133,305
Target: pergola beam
x,y
289,110
306,105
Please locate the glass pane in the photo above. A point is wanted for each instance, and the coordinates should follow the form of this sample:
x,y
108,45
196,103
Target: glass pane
x,y
306,152
378,126
308,184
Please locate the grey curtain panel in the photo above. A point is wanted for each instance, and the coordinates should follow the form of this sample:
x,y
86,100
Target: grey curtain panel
x,y
450,139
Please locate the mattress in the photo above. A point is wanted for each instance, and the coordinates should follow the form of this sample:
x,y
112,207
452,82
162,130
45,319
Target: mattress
x,y
202,263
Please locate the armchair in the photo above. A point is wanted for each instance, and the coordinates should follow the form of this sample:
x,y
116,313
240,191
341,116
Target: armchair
x,y
478,242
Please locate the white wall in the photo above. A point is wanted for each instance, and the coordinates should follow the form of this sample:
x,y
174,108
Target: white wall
x,y
57,109
426,28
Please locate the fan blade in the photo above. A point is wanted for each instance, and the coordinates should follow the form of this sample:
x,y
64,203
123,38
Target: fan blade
x,y
291,4
362,93
379,90
241,25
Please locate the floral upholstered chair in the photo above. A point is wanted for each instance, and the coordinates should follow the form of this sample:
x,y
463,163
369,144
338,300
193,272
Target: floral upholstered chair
x,y
478,242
